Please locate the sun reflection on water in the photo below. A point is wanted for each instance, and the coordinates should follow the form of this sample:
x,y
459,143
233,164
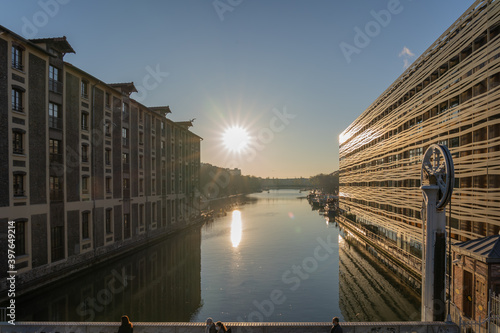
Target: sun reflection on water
x,y
236,228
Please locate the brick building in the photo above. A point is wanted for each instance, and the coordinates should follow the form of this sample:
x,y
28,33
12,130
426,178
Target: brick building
x,y
85,170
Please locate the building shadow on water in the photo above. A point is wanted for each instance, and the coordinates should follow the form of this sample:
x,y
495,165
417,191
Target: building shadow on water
x,y
159,283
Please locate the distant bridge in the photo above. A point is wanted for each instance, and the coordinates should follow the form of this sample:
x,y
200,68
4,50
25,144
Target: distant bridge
x,y
286,186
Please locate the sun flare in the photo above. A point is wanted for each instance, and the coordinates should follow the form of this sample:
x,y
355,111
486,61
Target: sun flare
x,y
236,139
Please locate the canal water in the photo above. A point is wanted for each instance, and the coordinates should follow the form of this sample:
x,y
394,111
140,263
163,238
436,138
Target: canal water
x,y
272,258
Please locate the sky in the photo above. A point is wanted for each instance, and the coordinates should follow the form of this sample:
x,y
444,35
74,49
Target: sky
x,y
292,73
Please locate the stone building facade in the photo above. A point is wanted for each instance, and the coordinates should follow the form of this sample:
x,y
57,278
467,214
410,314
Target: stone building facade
x,y
86,171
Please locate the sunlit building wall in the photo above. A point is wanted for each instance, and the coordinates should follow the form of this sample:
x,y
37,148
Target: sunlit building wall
x,y
450,95
86,171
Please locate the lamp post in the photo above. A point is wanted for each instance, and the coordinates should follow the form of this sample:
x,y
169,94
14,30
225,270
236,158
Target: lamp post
x,y
437,179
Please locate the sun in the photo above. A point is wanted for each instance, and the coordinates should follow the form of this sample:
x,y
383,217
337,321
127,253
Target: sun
x,y
236,138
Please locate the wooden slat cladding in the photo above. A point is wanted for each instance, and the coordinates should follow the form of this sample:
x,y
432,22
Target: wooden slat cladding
x,y
451,96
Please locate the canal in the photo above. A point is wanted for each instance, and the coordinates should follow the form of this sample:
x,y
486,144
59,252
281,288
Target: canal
x,y
271,259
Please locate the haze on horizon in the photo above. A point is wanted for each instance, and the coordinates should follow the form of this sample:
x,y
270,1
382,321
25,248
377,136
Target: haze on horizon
x,y
293,74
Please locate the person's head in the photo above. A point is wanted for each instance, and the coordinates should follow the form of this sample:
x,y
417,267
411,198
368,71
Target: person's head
x,y
220,326
209,321
126,321
335,320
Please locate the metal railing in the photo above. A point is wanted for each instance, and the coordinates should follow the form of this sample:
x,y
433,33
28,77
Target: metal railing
x,y
55,86
490,324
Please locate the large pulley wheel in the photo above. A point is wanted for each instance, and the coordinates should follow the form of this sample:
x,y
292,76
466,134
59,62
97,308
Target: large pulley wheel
x,y
437,169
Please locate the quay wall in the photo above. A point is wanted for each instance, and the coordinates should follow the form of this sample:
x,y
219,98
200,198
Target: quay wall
x,y
236,327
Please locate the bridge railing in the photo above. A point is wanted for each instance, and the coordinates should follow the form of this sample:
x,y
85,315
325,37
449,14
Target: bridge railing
x,y
236,327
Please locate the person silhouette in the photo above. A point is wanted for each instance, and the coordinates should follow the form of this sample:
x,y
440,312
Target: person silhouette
x,y
336,327
126,326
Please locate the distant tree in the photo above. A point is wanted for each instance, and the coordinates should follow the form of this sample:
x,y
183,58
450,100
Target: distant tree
x,y
216,182
328,183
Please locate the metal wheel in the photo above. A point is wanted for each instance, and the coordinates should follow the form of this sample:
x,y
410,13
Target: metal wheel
x,y
437,169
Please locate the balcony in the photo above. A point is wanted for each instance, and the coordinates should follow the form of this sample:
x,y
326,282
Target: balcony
x,y
18,150
55,86
18,192
17,65
56,123
17,107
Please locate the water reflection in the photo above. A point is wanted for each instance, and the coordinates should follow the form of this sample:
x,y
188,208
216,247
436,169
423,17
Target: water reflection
x,y
159,283
369,291
236,228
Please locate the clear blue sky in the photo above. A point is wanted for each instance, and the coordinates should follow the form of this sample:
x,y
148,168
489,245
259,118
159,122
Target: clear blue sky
x,y
246,62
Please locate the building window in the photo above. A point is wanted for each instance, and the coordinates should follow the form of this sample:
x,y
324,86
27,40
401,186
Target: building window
x,y
141,138
153,142
141,161
107,156
141,185
20,238
125,137
163,150
140,116
85,153
153,185
18,184
17,57
109,224
55,116
17,100
85,184
56,188
125,110
55,154
126,183
55,84
108,185
85,89
153,163
85,225
85,121
107,100
17,142
57,246
126,225
141,215
125,158
153,211
107,128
